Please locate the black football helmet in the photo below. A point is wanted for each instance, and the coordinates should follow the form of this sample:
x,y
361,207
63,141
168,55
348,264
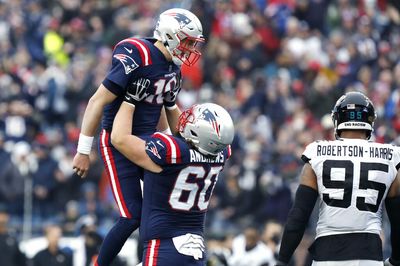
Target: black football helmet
x,y
353,110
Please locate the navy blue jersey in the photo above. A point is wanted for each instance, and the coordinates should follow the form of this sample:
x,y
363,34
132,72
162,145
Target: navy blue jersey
x,y
137,62
176,200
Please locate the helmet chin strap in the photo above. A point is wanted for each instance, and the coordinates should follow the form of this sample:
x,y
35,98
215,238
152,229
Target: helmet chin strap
x,y
176,61
164,48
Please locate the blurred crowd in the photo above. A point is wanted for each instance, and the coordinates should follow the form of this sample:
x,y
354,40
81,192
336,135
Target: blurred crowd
x,y
278,66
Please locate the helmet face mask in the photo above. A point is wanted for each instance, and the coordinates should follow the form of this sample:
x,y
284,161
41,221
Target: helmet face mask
x,y
208,127
353,111
180,31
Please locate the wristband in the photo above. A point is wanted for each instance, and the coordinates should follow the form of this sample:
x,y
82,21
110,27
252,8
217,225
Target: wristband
x,y
129,100
172,107
167,131
84,144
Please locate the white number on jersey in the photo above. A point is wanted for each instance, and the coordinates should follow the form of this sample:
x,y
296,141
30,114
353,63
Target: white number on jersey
x,y
209,179
162,86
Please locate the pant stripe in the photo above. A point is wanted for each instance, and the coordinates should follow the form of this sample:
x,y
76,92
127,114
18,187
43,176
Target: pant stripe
x,y
113,175
152,253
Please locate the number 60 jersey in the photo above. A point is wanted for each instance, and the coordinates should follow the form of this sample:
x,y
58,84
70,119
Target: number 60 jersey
x,y
354,177
175,201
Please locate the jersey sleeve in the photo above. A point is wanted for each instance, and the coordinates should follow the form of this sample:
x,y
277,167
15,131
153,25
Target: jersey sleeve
x,y
309,152
163,149
125,60
396,157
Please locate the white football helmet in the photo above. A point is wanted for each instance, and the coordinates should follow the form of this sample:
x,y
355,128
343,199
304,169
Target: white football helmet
x,y
208,127
180,31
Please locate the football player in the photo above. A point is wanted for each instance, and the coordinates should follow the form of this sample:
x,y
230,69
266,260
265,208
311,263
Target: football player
x,y
179,178
353,177
150,66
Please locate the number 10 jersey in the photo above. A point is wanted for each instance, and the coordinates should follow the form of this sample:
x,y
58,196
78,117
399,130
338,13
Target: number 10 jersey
x,y
354,177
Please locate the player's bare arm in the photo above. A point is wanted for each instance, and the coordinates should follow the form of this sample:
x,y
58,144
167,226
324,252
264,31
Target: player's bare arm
x,y
308,177
173,118
162,125
90,122
129,145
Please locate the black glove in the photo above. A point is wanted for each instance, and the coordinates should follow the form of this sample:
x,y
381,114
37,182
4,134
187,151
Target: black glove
x,y
170,97
136,92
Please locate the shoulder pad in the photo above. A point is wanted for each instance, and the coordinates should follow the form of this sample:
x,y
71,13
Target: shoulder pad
x,y
172,150
135,47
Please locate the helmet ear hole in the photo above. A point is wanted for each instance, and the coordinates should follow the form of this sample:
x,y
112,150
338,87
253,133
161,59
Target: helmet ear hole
x,y
193,133
169,37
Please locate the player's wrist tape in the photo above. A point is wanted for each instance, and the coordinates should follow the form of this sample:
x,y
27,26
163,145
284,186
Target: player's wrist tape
x,y
169,104
172,107
129,100
84,144
130,103
167,131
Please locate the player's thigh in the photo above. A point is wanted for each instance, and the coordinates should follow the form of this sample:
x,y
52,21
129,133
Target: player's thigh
x,y
163,253
348,263
124,178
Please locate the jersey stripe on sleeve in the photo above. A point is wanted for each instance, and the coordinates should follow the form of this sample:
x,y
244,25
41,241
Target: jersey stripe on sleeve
x,y
173,151
142,48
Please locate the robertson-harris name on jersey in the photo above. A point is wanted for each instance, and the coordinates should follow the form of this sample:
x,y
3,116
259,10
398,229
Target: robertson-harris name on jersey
x,y
197,157
354,151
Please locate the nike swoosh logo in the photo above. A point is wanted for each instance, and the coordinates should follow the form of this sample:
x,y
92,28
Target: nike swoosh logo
x,y
128,50
159,143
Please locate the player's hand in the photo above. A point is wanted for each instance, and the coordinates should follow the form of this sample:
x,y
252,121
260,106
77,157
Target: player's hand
x,y
170,97
135,93
81,164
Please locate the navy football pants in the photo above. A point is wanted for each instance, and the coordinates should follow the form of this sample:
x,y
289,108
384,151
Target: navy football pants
x,y
124,178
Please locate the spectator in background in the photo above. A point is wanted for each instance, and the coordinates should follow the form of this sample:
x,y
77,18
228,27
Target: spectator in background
x,y
87,254
44,181
276,199
271,236
10,253
11,181
18,123
22,165
249,250
53,255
